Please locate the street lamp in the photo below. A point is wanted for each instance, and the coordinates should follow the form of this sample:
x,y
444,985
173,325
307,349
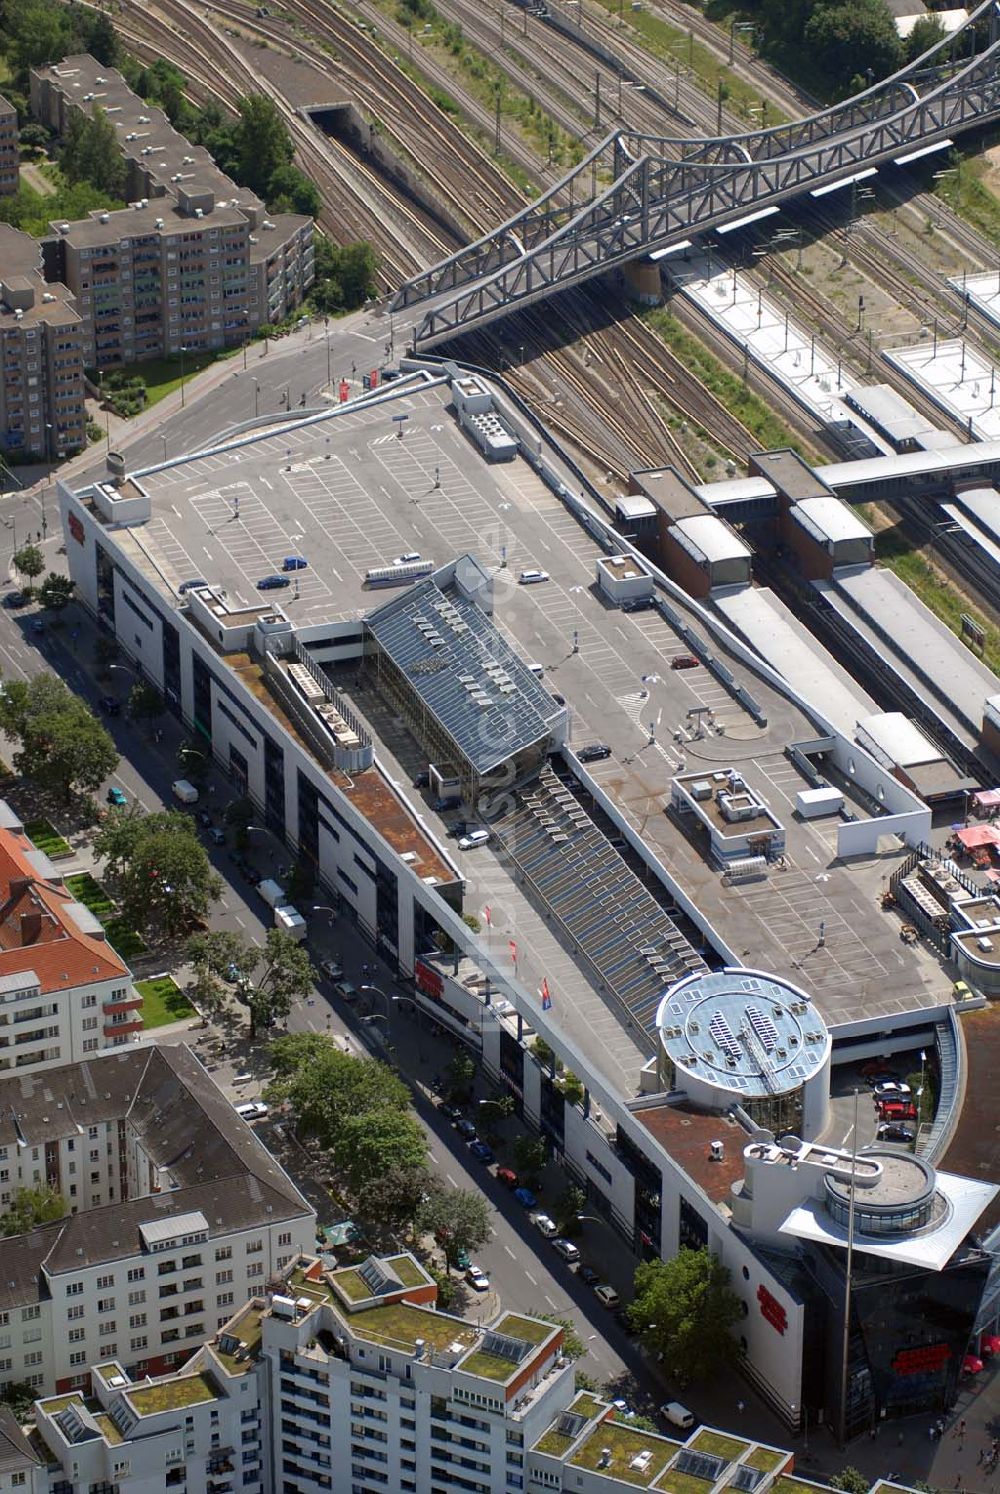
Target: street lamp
x,y
256,396
164,440
183,351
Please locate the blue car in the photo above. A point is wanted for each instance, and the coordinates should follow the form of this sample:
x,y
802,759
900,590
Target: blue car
x,y
481,1151
117,796
525,1198
294,563
273,583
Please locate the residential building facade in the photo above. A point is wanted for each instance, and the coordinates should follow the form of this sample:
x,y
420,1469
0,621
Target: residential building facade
x,y
194,263
163,1236
64,991
10,157
42,413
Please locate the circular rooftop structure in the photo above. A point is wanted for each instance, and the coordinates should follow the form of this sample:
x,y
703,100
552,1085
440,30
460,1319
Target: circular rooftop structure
x,y
895,1193
739,1035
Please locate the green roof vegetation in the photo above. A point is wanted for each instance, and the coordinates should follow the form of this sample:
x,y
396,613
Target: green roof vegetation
x,y
490,1366
351,1283
586,1404
248,1331
683,1483
625,1443
408,1270
553,1441
398,1325
786,1485
319,1290
172,1395
59,1403
529,1330
766,1458
107,1427
729,1448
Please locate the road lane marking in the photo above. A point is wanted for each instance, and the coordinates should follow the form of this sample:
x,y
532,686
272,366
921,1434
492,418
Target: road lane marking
x,y
451,1180
510,1252
549,1300
528,1274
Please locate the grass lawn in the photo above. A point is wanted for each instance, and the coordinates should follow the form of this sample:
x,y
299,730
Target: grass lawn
x,y
88,891
163,375
47,839
163,1001
126,941
968,192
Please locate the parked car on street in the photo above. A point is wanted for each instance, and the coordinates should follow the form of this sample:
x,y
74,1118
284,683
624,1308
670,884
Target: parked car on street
x,y
481,1152
525,1198
569,1252
508,1177
893,1131
110,705
477,1279
607,1296
466,1129
545,1225
594,753
331,969
252,1110
117,796
588,1276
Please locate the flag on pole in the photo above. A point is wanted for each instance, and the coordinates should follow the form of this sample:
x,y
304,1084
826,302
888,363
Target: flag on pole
x,y
513,951
546,998
486,915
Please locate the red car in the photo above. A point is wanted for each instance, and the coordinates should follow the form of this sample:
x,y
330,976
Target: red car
x,y
684,661
507,1176
897,1110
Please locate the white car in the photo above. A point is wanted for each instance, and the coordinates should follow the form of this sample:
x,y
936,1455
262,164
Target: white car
x,y
474,838
477,1279
545,1225
532,577
567,1250
890,1087
252,1110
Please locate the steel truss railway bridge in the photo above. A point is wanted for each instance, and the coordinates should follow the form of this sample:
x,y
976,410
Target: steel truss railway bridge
x,y
664,191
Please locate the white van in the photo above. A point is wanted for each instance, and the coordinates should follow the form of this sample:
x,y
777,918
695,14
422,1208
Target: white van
x,y
184,791
677,1415
474,838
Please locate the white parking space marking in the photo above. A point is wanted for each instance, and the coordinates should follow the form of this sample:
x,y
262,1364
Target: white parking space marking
x,y
792,908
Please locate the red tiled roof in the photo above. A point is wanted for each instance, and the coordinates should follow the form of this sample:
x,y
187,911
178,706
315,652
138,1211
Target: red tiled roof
x,y
38,933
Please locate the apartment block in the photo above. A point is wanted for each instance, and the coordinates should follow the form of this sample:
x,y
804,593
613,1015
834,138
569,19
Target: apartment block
x,y
64,992
42,411
194,262
9,148
177,1215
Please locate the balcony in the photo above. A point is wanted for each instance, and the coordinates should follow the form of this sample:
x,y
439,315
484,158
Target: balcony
x,y
122,1029
123,1004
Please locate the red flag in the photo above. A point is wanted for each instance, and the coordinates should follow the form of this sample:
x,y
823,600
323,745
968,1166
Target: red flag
x,y
513,950
486,914
546,998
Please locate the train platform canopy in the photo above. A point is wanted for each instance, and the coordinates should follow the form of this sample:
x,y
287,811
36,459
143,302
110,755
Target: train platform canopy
x,y
900,745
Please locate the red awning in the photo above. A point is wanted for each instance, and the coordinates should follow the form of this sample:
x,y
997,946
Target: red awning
x,y
978,835
987,799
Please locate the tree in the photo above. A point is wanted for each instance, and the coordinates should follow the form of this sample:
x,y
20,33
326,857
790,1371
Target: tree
x,y
290,191
684,1309
261,143
570,1204
35,136
460,1220
346,275
31,1206
368,1146
461,1071
531,1154
29,561
848,37
492,1112
91,153
300,882
62,747
394,1199
101,38
926,33
324,1086
211,955
158,867
573,1345
145,703
20,1397
56,591
37,34
193,760
284,972
271,975
851,1481
105,653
